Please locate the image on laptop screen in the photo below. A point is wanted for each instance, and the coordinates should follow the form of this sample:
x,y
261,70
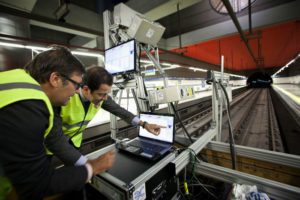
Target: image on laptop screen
x,y
166,134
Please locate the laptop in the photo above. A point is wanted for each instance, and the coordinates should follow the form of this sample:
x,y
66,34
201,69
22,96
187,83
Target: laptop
x,y
148,145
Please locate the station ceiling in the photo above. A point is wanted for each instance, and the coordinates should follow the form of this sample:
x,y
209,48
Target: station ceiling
x,y
195,33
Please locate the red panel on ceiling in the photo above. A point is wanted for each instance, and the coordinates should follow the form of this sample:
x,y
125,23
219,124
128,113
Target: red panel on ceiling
x,y
279,44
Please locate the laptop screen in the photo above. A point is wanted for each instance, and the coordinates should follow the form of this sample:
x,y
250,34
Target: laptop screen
x,y
167,120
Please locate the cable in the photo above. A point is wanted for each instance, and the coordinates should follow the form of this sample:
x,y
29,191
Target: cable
x,y
181,144
77,132
195,159
206,185
185,131
182,195
231,139
182,125
209,192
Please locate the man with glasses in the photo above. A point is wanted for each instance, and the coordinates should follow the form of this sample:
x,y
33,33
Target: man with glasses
x,y
82,108
77,85
26,118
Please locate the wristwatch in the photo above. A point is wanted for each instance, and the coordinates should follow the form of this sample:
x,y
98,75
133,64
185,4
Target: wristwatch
x,y
144,123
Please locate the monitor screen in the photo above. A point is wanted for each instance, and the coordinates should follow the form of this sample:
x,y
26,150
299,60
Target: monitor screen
x,y
166,120
120,58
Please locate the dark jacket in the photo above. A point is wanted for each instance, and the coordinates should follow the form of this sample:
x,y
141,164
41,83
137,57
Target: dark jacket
x,y
23,157
57,142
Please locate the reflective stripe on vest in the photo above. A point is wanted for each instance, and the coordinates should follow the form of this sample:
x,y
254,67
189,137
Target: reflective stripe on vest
x,y
17,85
24,85
79,124
75,120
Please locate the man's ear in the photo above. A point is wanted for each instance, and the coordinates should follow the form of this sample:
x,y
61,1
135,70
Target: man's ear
x,y
55,79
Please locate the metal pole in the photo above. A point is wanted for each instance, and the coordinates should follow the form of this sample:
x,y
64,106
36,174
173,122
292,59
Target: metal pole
x,y
215,105
107,44
106,25
157,65
141,94
136,101
237,24
160,69
221,100
249,14
179,26
157,55
113,119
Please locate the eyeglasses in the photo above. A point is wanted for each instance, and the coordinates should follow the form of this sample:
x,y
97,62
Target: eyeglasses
x,y
78,85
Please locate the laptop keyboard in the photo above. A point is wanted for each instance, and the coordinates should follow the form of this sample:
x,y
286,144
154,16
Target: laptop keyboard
x,y
147,146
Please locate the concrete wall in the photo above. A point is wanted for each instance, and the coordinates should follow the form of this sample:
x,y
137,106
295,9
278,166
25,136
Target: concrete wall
x,y
284,80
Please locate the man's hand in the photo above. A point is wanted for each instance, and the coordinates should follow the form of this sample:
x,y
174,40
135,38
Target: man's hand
x,y
153,128
103,162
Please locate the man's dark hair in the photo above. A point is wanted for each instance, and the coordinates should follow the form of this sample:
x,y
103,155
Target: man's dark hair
x,y
95,76
58,59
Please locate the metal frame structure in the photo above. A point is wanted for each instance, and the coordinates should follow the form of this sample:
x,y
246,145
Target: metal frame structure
x,y
272,188
111,31
180,162
289,160
183,159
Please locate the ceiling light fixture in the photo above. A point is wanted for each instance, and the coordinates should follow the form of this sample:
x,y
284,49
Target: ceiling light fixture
x,y
38,48
286,65
6,44
243,77
87,54
197,69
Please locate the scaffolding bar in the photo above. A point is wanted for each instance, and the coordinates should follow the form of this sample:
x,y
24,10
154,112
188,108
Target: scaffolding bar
x,y
273,189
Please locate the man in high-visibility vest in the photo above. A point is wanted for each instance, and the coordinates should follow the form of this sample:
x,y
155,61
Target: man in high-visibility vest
x,y
81,109
26,118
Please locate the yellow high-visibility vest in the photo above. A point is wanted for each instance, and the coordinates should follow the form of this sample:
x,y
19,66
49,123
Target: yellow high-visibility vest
x,y
16,85
74,119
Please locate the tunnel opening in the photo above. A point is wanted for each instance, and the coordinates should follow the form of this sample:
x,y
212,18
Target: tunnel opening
x,y
259,80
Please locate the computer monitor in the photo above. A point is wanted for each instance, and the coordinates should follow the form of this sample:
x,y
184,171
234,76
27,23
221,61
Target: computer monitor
x,y
166,120
121,58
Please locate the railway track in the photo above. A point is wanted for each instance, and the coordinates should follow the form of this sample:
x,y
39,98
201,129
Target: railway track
x,y
254,122
198,123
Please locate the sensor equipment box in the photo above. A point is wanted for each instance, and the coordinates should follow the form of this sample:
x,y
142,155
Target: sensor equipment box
x,y
172,94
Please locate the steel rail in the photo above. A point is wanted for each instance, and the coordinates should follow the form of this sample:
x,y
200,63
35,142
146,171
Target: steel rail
x,y
272,145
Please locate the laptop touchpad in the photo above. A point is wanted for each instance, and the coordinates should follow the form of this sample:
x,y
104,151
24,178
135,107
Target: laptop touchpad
x,y
133,149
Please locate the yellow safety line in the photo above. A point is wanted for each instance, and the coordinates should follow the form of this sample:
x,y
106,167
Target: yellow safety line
x,y
292,96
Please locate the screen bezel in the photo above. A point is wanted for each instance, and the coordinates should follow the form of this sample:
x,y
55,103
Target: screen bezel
x,y
134,65
161,114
